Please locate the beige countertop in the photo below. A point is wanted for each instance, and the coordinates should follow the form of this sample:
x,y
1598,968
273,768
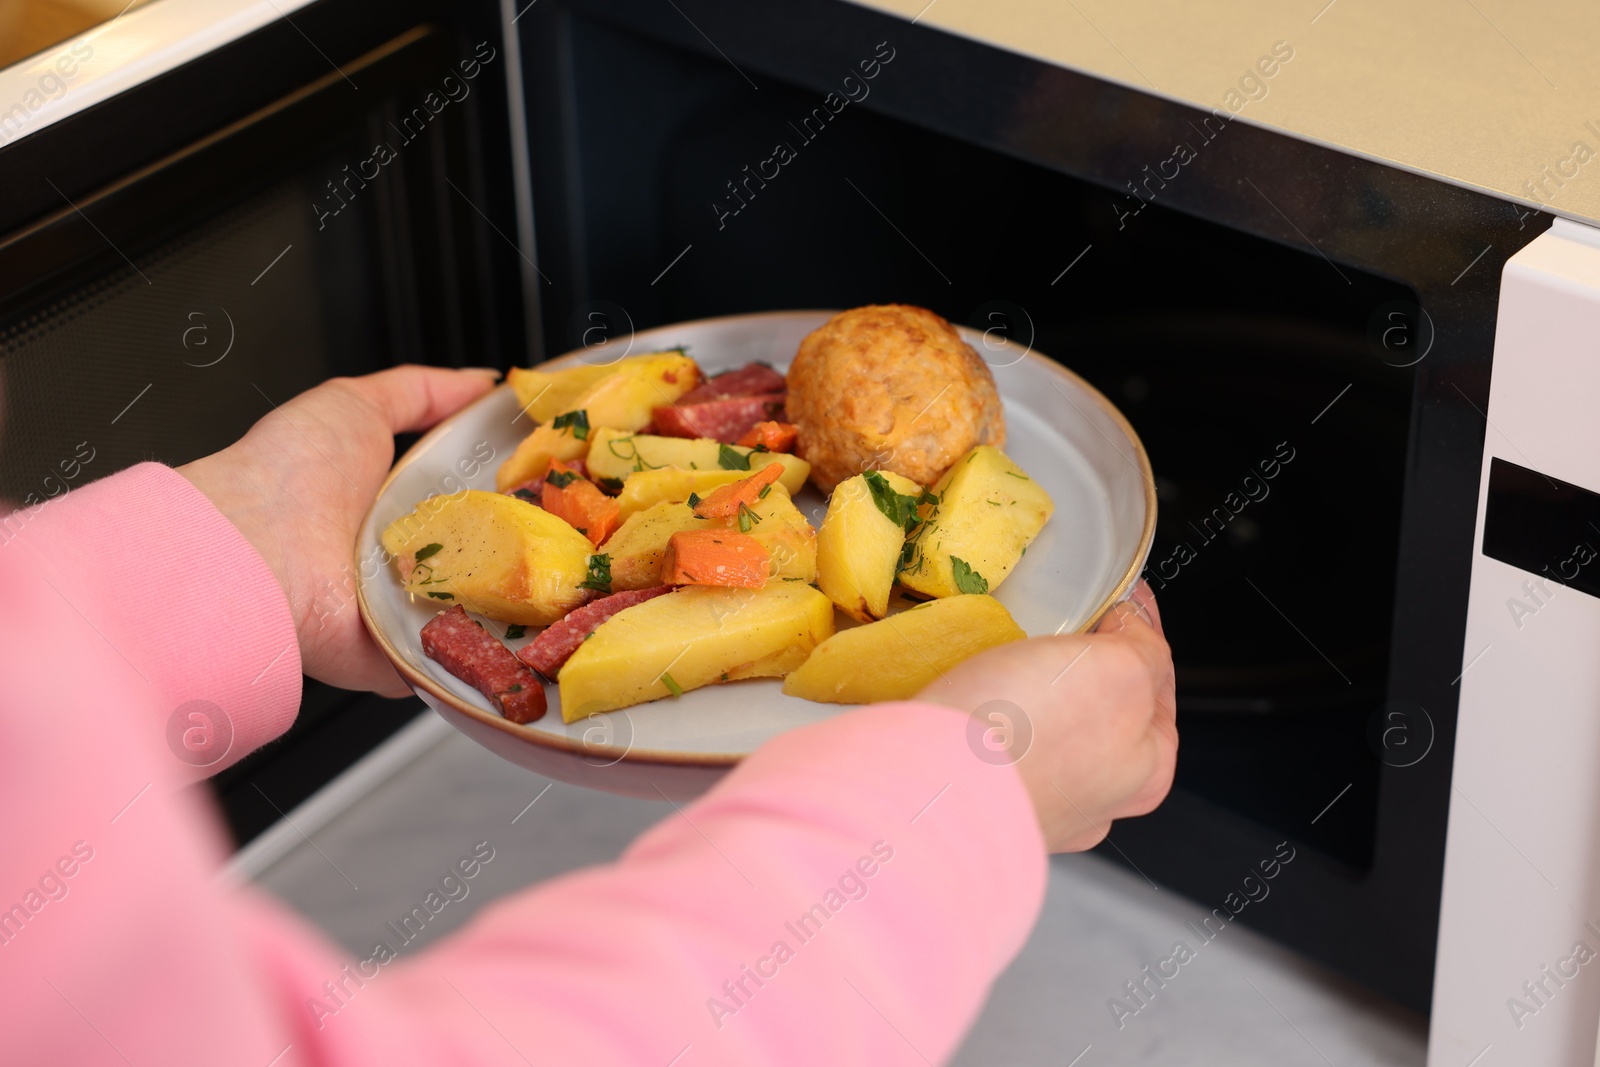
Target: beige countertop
x,y
1493,95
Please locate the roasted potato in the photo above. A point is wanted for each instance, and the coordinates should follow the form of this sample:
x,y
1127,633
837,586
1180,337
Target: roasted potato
x,y
988,511
639,546
617,454
492,554
673,484
624,399
896,657
859,543
693,637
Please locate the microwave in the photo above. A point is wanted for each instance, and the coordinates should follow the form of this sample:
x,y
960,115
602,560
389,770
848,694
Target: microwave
x,y
1364,390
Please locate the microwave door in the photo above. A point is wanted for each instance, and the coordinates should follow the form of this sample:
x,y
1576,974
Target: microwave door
x,y
1518,967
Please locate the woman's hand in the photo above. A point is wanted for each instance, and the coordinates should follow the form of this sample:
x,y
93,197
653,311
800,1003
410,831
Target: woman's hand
x,y
298,485
1097,718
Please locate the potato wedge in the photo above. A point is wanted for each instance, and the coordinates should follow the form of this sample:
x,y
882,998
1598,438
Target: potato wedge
x,y
534,454
988,512
492,554
896,657
690,638
671,484
544,394
858,545
624,399
615,453
639,546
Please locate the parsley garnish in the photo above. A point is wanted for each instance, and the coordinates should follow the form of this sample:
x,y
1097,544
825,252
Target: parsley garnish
x,y
731,459
897,507
1018,474
694,500
747,518
599,578
610,485
515,630
515,687
427,550
765,489
928,497
672,686
967,579
561,479
577,421
442,596
525,494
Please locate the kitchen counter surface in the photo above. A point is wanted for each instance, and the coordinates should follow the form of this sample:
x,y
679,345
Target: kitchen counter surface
x,y
1487,94
430,795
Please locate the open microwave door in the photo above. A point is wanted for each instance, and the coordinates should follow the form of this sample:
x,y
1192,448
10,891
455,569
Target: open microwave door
x,y
1518,972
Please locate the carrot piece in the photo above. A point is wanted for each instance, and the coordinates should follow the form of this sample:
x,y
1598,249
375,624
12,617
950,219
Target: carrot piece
x,y
715,557
724,501
568,495
773,436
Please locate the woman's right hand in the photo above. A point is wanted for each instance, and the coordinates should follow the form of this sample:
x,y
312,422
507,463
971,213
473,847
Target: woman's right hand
x,y
1088,719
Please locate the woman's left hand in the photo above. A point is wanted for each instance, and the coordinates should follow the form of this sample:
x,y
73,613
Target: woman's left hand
x,y
298,484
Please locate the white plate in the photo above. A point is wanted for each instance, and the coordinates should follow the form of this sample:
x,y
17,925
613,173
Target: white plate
x,y
1064,433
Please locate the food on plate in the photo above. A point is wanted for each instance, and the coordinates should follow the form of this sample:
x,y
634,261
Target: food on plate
x,y
693,637
752,379
715,557
647,521
726,501
623,399
897,657
861,537
616,454
492,554
461,645
988,510
638,550
772,436
670,484
890,387
556,642
725,407
568,495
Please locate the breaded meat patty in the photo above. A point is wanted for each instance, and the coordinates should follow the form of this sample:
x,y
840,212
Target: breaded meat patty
x,y
890,387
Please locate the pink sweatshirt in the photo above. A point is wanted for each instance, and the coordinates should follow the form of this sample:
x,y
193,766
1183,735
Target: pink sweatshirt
x,y
845,896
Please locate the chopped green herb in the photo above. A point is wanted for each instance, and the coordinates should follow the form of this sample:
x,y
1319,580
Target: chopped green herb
x,y
694,500
967,579
524,494
910,559
427,550
794,579
577,421
561,479
928,497
442,596
731,459
1019,474
992,503
672,687
759,447
514,687
515,630
765,489
599,578
724,676
896,507
610,485
747,518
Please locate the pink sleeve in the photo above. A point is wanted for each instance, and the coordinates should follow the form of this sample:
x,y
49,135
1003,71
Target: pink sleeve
x,y
845,896
176,596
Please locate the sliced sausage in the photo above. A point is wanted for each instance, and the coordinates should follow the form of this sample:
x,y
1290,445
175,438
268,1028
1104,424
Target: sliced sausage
x,y
459,644
726,420
547,652
752,379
